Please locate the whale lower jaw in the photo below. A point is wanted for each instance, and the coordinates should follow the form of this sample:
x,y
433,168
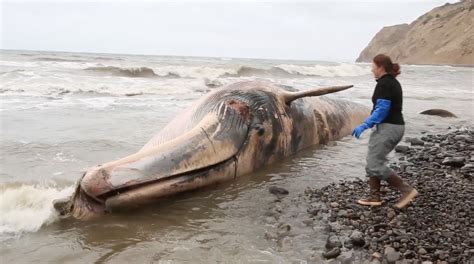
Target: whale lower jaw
x,y
83,206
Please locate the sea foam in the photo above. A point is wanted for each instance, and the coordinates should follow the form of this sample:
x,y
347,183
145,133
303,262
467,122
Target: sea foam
x,y
26,208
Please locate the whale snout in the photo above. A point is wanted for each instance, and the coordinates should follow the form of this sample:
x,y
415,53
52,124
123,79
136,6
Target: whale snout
x,y
96,182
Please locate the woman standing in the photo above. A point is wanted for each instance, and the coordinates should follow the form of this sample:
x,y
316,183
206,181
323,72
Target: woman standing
x,y
389,125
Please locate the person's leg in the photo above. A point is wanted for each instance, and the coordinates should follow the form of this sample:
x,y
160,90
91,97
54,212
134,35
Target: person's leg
x,y
374,193
374,182
381,142
393,134
408,192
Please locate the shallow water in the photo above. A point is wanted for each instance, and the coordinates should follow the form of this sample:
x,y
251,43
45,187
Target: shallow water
x,y
57,119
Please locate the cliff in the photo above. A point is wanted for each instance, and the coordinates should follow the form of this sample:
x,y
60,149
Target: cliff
x,y
444,35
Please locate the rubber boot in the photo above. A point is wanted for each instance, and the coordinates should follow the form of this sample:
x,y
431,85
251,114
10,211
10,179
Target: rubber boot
x,y
374,196
408,193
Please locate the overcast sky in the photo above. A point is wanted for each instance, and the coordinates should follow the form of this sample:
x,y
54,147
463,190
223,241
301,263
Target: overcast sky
x,y
317,30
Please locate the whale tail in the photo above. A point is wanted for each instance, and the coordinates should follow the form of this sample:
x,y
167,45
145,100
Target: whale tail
x,y
289,97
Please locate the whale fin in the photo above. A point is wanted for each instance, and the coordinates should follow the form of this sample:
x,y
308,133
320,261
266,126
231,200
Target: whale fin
x,y
289,97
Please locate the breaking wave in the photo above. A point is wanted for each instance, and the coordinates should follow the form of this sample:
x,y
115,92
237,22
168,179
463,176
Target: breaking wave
x,y
143,72
291,71
56,59
280,71
26,208
343,69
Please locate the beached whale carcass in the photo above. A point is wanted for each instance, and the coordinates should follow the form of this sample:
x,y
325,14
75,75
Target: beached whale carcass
x,y
230,132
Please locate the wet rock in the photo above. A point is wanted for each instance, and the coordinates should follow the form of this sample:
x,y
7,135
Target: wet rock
x,y
422,251
415,141
357,238
270,235
464,138
402,149
333,253
377,255
332,242
313,211
308,222
283,229
453,161
342,213
440,254
391,214
316,258
346,257
348,244
390,255
278,190
285,243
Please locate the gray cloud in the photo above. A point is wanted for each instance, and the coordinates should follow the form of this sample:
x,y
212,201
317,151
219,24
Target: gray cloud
x,y
302,30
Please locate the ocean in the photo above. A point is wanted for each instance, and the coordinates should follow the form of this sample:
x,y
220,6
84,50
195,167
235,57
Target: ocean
x,y
64,112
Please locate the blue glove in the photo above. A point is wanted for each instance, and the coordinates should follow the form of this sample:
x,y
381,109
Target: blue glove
x,y
359,130
380,112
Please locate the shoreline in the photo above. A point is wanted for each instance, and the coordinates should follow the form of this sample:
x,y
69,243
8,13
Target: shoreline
x,y
435,228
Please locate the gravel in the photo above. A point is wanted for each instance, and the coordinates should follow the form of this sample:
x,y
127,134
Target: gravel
x,y
437,227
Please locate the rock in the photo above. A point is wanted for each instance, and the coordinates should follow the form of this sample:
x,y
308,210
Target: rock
x,y
332,242
270,235
390,255
333,253
313,211
283,229
453,161
348,244
357,238
422,251
285,243
278,190
377,255
391,214
403,261
440,254
402,149
468,168
342,213
346,257
464,138
316,258
415,141
334,205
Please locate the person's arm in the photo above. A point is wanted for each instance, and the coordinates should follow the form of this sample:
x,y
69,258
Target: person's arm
x,y
380,112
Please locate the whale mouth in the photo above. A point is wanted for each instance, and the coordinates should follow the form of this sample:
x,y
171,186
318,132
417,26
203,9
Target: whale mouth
x,y
205,154
84,206
126,197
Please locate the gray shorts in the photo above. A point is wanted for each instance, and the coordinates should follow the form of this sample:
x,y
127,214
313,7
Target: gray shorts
x,y
383,139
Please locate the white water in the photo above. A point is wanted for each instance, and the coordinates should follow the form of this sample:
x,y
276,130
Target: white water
x,y
26,208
